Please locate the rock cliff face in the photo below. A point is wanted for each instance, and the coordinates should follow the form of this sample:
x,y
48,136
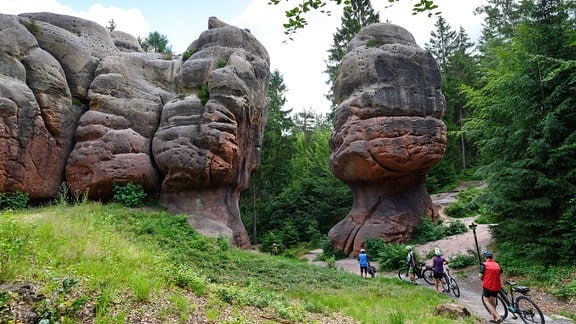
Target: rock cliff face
x,y
387,135
85,106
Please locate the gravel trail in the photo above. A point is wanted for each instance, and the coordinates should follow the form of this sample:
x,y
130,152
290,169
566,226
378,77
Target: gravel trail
x,y
468,281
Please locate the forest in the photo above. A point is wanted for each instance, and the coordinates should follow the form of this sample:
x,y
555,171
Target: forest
x,y
511,120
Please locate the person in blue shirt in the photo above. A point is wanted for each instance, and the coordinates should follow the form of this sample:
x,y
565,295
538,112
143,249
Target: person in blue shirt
x,y
364,261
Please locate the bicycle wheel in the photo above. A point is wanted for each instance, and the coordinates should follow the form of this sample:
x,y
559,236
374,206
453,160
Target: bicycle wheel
x,y
454,287
445,285
528,310
403,274
501,308
428,276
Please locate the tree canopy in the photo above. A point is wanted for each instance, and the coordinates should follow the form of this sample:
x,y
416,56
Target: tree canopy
x,y
155,42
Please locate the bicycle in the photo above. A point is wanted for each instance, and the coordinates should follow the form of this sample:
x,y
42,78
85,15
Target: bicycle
x,y
449,283
522,306
421,271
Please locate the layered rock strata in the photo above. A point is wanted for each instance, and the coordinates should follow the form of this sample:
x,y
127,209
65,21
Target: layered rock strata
x,y
388,133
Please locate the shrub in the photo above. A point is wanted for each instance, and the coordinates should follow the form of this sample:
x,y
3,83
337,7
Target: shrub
x,y
374,42
186,55
428,231
14,200
328,251
390,256
31,25
204,94
455,227
459,260
221,62
129,195
467,205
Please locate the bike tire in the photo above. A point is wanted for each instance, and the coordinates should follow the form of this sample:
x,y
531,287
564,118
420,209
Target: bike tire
x,y
528,311
428,276
445,285
454,287
501,308
403,274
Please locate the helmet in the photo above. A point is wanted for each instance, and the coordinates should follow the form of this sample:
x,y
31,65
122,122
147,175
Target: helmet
x,y
408,248
437,251
362,250
487,254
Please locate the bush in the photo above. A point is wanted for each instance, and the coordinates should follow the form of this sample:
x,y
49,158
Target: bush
x,y
390,256
459,260
129,195
328,251
429,231
14,200
186,55
467,205
455,227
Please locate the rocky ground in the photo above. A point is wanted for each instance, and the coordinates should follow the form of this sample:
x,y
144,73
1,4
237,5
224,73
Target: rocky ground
x,y
470,285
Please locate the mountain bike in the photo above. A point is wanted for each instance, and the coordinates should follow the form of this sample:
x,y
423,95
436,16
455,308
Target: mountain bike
x,y
522,306
421,271
449,283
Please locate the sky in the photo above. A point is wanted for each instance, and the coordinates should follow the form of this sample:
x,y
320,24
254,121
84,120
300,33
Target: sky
x,y
301,61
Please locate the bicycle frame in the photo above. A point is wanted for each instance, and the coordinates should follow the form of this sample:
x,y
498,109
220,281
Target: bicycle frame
x,y
522,305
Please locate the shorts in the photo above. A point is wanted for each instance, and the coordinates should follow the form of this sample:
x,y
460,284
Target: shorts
x,y
363,269
411,270
438,275
489,293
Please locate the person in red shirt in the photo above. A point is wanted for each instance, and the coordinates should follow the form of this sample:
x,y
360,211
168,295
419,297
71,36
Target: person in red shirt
x,y
490,272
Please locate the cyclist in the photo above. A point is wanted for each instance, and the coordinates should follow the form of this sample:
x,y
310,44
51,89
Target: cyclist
x,y
411,260
490,272
438,263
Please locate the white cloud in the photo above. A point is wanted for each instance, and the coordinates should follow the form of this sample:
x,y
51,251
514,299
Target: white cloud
x,y
130,20
301,61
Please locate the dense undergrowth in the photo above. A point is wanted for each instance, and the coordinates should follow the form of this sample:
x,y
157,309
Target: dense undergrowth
x,y
109,264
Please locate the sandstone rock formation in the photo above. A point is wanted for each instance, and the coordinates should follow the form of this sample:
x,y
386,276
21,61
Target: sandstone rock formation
x,y
85,106
207,150
387,135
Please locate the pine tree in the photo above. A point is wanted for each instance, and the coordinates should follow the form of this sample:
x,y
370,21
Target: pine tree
x,y
442,42
357,14
525,123
453,52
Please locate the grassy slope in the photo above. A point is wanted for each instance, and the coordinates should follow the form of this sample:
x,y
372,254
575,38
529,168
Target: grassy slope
x,y
109,264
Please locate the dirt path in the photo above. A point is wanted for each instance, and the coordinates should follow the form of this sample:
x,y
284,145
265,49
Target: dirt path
x,y
470,285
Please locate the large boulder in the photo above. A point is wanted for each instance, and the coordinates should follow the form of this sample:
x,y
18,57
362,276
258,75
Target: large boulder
x,y
37,115
387,135
87,107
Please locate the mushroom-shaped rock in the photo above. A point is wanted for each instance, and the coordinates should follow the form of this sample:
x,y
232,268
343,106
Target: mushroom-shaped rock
x,y
387,135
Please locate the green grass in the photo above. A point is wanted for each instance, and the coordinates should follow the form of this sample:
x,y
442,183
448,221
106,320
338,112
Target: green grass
x,y
118,263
